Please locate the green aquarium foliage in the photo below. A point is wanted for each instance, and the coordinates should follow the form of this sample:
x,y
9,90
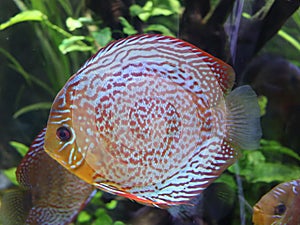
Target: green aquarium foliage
x,y
100,215
67,33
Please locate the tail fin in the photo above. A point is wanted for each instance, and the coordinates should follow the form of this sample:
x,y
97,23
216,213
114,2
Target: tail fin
x,y
243,118
14,206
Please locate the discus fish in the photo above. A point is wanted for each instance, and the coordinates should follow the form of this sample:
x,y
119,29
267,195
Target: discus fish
x,y
146,118
48,193
280,206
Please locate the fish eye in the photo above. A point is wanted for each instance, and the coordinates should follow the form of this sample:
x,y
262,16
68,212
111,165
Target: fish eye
x,y
280,209
63,133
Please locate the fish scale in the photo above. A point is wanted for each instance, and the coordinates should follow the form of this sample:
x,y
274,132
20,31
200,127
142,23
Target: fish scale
x,y
128,139
147,120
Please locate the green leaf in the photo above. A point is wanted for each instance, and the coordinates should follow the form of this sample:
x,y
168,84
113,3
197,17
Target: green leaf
x,y
127,27
174,5
296,17
21,148
135,10
119,223
30,15
146,13
29,108
75,47
103,36
160,28
262,102
86,20
83,217
295,43
73,24
161,12
96,200
144,16
254,167
270,172
255,158
274,146
102,218
155,8
246,15
73,39
73,44
112,204
11,175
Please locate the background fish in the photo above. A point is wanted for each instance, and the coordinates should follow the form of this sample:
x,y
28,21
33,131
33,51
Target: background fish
x,y
48,193
280,206
146,118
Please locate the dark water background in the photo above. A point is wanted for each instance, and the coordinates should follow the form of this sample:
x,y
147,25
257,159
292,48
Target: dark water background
x,y
263,59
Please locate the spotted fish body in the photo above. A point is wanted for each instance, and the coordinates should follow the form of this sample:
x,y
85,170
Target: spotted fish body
x,y
280,206
146,118
48,193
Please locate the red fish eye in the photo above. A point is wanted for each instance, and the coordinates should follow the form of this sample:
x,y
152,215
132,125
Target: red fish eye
x,y
63,133
279,209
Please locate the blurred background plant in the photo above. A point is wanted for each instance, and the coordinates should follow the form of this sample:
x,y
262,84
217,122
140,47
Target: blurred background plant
x,y
42,43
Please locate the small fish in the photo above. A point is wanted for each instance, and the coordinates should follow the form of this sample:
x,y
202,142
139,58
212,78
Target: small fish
x,y
48,193
152,118
280,206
